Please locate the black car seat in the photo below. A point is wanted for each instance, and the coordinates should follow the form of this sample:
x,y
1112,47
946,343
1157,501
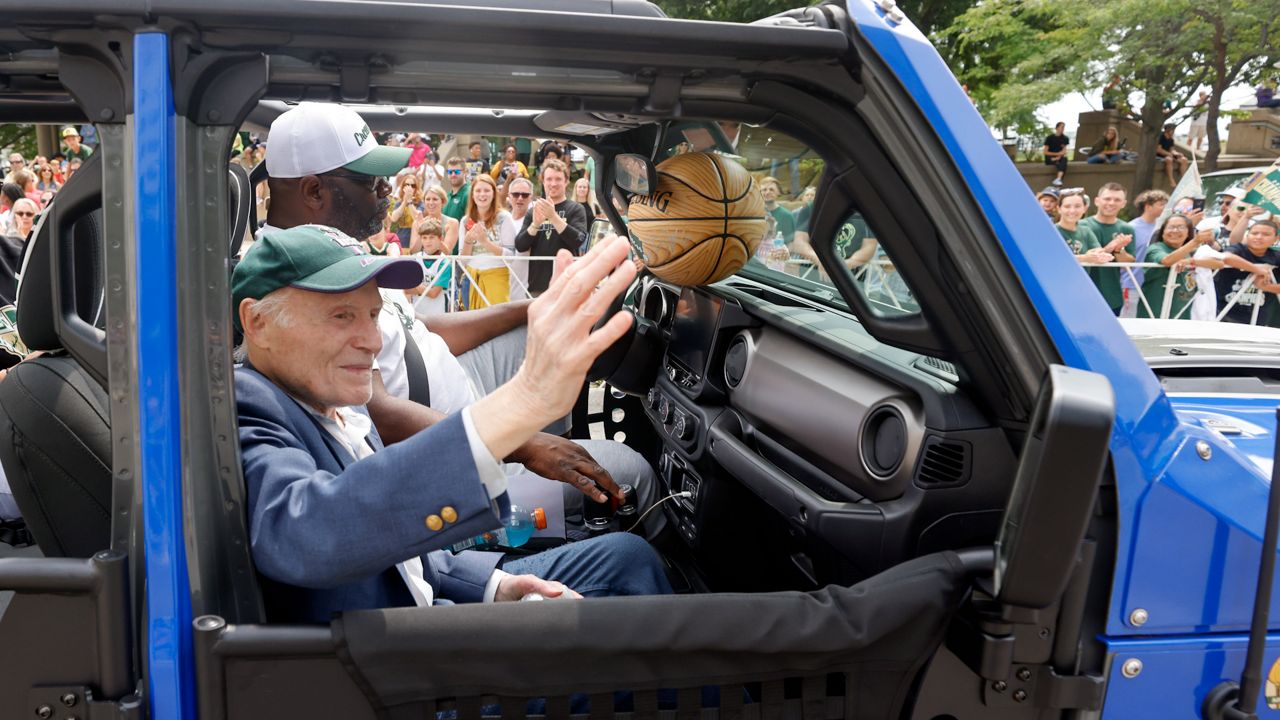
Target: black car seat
x,y
55,421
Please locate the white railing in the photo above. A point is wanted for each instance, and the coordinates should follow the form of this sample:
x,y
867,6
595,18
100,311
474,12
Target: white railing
x,y
1166,300
457,264
877,273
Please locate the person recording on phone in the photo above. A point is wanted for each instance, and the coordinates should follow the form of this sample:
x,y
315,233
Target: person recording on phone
x,y
508,167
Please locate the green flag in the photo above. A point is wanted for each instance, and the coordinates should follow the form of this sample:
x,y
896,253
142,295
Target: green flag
x,y
1263,189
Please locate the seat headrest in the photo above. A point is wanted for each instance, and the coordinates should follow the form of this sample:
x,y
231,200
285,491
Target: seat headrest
x,y
78,206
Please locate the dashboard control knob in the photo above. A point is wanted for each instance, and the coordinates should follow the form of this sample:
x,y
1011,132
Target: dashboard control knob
x,y
652,398
664,410
684,426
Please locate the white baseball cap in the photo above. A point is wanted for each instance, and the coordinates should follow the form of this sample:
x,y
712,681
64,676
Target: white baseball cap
x,y
315,138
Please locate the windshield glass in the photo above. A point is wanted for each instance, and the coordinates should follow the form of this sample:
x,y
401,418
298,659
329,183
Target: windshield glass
x,y
787,173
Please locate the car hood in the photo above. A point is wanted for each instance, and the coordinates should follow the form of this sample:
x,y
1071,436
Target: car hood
x,y
1193,343
1248,423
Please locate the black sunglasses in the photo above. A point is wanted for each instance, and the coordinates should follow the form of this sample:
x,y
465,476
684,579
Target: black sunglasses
x,y
369,183
520,195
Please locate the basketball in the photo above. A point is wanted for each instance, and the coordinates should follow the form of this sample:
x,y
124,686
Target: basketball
x,y
702,222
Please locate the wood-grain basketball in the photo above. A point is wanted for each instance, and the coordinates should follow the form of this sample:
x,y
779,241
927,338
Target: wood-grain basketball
x,y
702,222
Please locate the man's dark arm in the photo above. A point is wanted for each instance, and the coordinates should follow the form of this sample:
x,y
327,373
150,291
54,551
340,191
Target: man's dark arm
x,y
397,418
524,239
463,331
552,457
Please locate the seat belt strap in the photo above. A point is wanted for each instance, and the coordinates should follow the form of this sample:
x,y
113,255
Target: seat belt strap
x,y
416,372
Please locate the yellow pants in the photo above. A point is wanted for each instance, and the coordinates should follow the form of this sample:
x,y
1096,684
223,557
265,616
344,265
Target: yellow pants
x,y
494,284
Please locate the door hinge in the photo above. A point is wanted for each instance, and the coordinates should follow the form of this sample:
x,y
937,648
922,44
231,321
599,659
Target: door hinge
x,y
76,702
1040,687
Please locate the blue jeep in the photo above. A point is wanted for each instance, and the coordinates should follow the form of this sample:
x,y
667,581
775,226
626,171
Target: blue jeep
x,y
928,474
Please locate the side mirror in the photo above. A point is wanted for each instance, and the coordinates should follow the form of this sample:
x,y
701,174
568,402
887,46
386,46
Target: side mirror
x,y
600,229
1065,452
635,174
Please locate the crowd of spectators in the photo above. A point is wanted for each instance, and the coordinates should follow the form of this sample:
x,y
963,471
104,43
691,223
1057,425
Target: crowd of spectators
x,y
1180,263
475,214
41,178
28,188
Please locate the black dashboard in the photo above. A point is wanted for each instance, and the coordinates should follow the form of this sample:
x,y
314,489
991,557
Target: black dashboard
x,y
861,455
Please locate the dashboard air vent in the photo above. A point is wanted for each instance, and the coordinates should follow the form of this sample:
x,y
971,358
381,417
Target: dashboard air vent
x,y
884,441
735,361
945,463
934,366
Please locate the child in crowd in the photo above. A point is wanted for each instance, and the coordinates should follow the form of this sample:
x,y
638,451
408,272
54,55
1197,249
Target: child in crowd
x,y
429,235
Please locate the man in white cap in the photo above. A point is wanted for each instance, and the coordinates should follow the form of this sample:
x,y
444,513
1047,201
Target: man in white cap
x,y
325,156
326,167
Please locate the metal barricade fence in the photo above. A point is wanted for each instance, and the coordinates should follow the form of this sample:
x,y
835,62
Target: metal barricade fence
x,y
1161,307
1165,301
893,298
460,278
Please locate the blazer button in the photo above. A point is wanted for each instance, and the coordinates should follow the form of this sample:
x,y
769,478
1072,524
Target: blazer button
x,y
434,522
449,514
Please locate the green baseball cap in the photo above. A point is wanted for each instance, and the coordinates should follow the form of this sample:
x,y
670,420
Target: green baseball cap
x,y
317,258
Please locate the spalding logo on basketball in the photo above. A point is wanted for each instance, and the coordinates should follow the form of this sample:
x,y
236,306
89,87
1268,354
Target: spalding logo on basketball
x,y
702,222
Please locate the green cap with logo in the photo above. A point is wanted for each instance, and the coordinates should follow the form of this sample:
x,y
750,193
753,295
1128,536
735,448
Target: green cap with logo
x,y
316,258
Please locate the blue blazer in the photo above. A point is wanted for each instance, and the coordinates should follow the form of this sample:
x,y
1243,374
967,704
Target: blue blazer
x,y
326,531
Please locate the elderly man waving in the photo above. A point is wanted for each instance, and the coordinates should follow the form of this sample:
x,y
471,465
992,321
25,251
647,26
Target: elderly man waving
x,y
336,521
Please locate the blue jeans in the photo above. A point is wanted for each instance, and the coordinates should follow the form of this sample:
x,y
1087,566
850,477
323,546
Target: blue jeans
x,y
1100,158
610,565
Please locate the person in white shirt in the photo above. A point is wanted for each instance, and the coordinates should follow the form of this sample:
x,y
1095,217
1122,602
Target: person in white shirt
x,y
519,194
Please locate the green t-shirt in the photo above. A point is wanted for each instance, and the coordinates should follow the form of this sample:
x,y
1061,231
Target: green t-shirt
x,y
1079,241
786,222
83,154
1108,278
1153,283
456,207
849,239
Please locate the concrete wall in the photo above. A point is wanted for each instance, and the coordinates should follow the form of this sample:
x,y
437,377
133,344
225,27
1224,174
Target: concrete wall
x,y
1257,135
1091,126
1092,177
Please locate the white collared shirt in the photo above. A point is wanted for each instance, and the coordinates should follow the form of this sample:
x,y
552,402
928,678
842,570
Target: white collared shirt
x,y
352,430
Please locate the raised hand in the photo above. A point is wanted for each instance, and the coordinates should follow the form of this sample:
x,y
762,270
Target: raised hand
x,y
562,343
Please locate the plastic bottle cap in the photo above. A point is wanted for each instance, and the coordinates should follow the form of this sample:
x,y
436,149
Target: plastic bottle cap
x,y
540,518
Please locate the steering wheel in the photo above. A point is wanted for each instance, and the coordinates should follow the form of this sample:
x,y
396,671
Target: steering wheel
x,y
609,360
632,363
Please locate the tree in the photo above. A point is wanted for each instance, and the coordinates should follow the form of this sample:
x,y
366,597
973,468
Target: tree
x,y
932,16
1158,56
1015,56
1019,55
20,137
726,10
1242,42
